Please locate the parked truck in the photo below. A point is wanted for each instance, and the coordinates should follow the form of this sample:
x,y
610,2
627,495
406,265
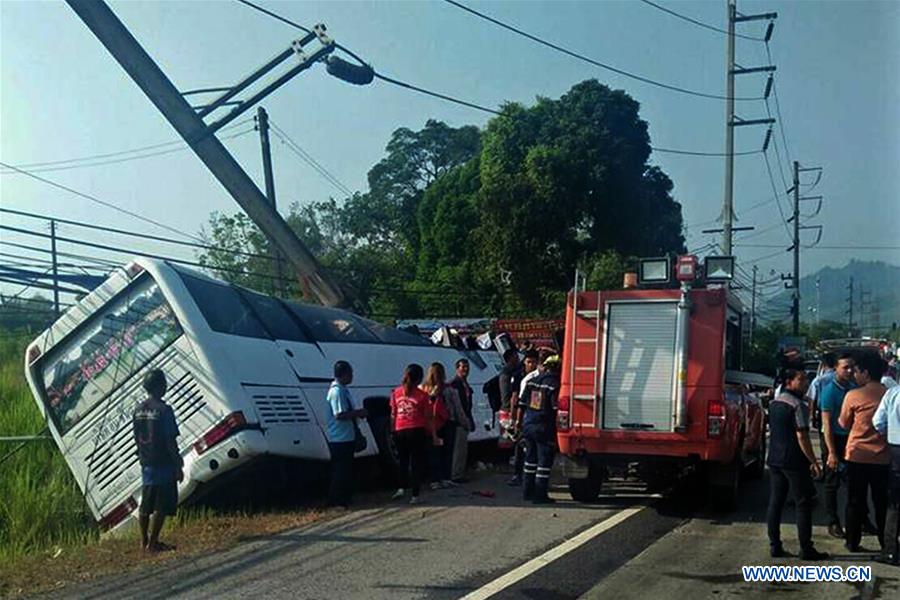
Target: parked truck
x,y
652,383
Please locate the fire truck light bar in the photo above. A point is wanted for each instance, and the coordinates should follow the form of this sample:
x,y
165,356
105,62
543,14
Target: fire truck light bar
x,y
719,268
654,270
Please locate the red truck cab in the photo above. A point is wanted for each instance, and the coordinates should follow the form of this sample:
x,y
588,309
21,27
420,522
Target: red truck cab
x,y
651,381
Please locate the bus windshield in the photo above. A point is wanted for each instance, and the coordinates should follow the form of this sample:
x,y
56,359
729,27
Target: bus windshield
x,y
105,351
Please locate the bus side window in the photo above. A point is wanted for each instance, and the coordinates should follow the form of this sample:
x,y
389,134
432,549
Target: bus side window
x,y
223,308
274,317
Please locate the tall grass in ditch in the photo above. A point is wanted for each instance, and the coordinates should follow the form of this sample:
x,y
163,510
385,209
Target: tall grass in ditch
x,y
40,503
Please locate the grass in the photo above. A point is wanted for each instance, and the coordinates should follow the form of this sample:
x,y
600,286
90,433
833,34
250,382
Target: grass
x,y
42,507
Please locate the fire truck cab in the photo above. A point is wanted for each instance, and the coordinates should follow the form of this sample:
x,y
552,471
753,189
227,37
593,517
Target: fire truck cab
x,y
651,383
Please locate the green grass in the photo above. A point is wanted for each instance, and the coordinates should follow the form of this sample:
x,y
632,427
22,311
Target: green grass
x,y
40,504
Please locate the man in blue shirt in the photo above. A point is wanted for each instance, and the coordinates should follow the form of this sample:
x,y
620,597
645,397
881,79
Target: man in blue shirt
x,y
155,432
835,436
818,385
887,421
341,434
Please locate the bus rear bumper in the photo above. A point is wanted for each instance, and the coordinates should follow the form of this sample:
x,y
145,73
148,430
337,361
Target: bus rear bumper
x,y
229,454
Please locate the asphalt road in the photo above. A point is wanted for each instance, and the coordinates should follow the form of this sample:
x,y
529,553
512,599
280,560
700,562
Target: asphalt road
x,y
630,544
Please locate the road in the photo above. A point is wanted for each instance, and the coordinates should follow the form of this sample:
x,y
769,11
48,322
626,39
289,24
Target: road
x,y
630,544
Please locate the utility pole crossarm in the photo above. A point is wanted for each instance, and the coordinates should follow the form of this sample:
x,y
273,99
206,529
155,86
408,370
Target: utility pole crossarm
x,y
113,34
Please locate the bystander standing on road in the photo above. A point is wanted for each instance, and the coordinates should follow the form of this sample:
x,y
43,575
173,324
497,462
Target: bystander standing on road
x,y
155,432
460,383
341,435
866,454
832,398
411,422
887,422
448,414
529,371
792,463
537,408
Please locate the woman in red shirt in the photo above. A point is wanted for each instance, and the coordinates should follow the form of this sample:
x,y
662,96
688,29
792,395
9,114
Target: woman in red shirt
x,y
412,423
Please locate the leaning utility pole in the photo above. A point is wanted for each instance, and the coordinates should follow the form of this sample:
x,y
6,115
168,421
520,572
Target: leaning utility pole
x,y
731,121
262,123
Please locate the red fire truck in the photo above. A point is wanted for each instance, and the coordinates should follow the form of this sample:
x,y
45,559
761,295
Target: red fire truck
x,y
651,382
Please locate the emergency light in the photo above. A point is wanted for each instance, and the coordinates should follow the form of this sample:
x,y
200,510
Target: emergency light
x,y
686,269
719,268
653,270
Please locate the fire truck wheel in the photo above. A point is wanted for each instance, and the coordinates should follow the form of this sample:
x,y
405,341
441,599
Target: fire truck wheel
x,y
724,483
587,489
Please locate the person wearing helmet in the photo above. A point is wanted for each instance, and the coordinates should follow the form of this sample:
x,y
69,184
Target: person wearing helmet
x,y
537,407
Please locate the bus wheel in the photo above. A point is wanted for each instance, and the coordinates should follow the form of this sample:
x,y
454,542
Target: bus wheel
x,y
587,489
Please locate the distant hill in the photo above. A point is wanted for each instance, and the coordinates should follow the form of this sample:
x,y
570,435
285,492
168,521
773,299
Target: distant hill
x,y
880,281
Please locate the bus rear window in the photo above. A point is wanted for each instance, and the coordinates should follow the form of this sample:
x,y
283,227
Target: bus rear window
x,y
106,351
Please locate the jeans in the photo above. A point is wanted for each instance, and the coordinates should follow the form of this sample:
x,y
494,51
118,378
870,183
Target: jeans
x,y
799,482
860,478
340,489
411,448
833,481
440,458
892,520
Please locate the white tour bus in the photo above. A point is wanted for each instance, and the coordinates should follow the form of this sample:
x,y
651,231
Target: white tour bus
x,y
247,374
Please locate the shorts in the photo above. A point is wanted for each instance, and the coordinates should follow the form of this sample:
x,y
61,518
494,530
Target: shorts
x,y
161,499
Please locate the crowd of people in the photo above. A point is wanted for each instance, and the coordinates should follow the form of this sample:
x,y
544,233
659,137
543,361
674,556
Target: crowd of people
x,y
431,418
855,403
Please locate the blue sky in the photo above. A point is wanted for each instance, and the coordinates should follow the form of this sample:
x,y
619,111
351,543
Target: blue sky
x,y
62,96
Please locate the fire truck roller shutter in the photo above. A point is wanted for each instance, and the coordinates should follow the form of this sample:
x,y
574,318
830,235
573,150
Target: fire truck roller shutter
x,y
639,366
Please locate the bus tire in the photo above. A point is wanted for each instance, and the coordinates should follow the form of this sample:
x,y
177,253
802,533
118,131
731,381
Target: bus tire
x,y
587,489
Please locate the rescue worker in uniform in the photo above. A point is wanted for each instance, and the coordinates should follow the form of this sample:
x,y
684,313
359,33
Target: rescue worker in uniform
x,y
537,410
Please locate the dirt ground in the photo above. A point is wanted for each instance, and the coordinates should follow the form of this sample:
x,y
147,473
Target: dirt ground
x,y
59,567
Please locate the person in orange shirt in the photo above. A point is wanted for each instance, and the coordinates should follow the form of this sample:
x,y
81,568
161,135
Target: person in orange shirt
x,y
867,453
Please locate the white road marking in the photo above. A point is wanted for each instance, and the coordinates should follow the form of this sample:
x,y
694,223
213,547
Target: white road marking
x,y
520,573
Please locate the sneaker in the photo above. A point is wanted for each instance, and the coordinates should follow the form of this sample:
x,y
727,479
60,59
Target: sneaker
x,y
398,494
813,554
414,500
777,551
435,485
836,531
514,482
888,559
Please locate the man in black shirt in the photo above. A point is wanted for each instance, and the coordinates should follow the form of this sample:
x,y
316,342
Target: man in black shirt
x,y
155,433
792,463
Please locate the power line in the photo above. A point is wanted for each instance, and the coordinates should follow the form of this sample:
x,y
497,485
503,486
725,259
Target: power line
x,y
119,157
132,233
308,159
820,247
776,195
700,23
778,109
100,202
592,61
468,104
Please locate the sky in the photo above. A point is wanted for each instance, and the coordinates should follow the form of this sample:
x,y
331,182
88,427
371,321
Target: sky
x,y
62,96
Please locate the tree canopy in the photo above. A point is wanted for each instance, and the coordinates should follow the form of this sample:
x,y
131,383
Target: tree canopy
x,y
459,221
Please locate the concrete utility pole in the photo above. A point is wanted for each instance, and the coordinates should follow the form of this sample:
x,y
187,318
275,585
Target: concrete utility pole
x,y
850,312
55,268
731,121
796,282
753,305
262,124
